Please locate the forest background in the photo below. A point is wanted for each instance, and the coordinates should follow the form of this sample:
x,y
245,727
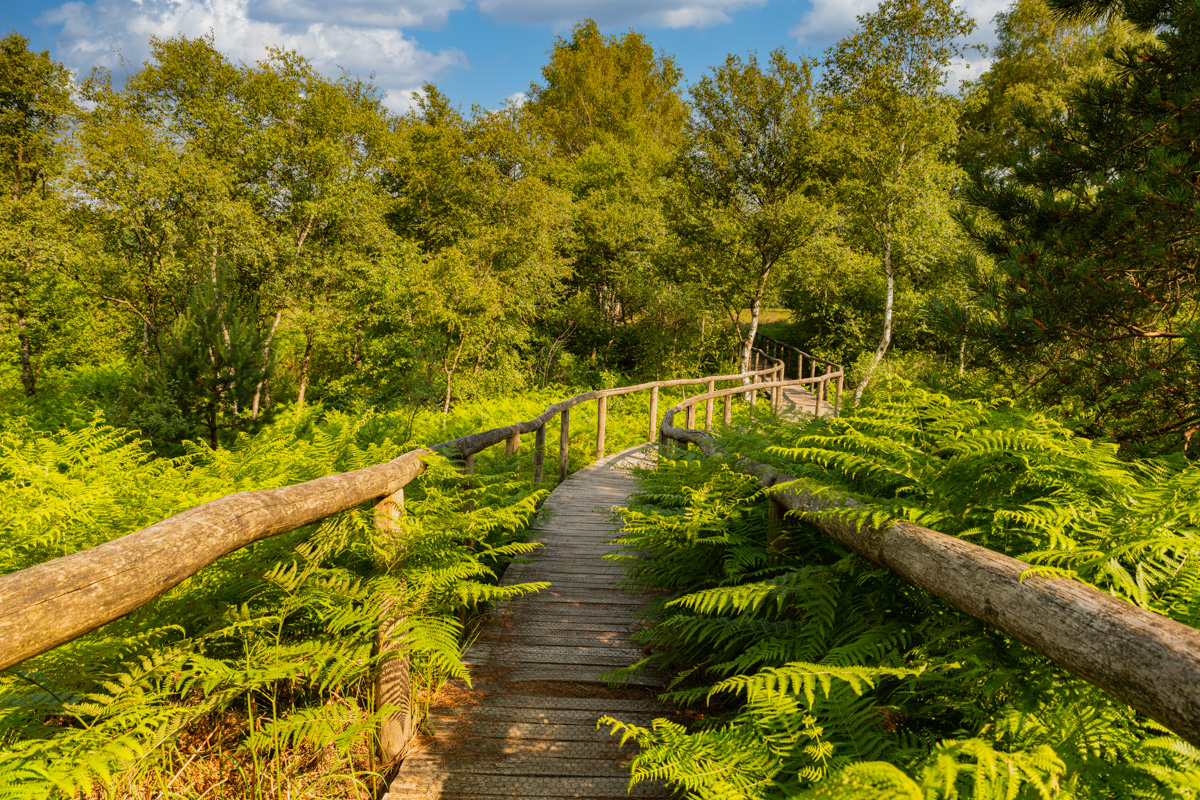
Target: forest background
x,y
212,241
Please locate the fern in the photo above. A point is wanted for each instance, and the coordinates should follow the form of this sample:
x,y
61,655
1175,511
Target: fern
x,y
825,676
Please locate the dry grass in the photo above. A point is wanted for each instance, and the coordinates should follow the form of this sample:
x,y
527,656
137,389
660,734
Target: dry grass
x,y
766,316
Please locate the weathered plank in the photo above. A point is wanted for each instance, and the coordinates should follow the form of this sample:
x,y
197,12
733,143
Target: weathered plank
x,y
498,740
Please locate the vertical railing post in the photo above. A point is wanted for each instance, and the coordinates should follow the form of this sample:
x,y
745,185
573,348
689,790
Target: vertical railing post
x,y
539,453
601,413
708,406
468,468
691,417
393,686
513,444
564,446
653,413
776,530
837,404
728,408
817,392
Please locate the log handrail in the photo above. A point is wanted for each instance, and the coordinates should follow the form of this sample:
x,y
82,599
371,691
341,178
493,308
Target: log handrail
x,y
49,604
1147,660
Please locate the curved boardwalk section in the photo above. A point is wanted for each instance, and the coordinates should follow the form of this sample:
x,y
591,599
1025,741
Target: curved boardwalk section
x,y
805,402
527,726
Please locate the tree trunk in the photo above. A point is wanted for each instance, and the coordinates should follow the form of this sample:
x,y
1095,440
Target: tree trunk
x,y
886,339
266,360
211,419
308,346
28,376
450,367
962,356
755,310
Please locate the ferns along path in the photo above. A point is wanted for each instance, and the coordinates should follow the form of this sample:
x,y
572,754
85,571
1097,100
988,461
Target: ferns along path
x,y
526,726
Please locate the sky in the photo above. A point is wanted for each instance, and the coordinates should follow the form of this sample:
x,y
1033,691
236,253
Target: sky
x,y
476,51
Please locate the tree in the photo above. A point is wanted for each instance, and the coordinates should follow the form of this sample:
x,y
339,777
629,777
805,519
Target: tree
x,y
889,121
493,237
749,167
271,170
610,108
35,106
1040,58
1095,226
212,353
601,87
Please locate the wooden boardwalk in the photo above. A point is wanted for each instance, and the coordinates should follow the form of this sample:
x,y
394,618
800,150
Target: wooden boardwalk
x,y
527,726
805,402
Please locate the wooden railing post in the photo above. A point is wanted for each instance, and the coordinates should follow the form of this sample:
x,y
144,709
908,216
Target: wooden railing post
x,y
539,453
468,468
776,530
708,407
601,413
513,444
653,414
564,446
817,392
728,408
393,686
691,417
837,404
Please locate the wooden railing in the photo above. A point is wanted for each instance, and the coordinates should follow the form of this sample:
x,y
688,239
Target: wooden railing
x,y
823,374
49,604
1147,660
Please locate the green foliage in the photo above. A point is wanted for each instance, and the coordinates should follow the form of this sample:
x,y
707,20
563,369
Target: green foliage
x,y
212,359
1096,194
749,169
827,676
268,652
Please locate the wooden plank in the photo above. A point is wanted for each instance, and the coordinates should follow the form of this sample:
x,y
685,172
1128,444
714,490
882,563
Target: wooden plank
x,y
520,786
517,653
565,637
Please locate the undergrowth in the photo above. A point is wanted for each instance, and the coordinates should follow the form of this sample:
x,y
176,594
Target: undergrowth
x,y
253,678
827,676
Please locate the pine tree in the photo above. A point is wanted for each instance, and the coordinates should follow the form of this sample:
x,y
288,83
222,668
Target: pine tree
x,y
1096,234
213,356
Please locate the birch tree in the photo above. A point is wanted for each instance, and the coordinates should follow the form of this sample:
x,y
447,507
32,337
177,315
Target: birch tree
x,y
889,121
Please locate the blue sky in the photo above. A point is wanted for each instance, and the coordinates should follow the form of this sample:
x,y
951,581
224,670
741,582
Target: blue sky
x,y
476,51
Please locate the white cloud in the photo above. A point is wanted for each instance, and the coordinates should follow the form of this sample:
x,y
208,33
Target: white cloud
x,y
609,13
105,31
516,99
376,13
830,20
966,70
